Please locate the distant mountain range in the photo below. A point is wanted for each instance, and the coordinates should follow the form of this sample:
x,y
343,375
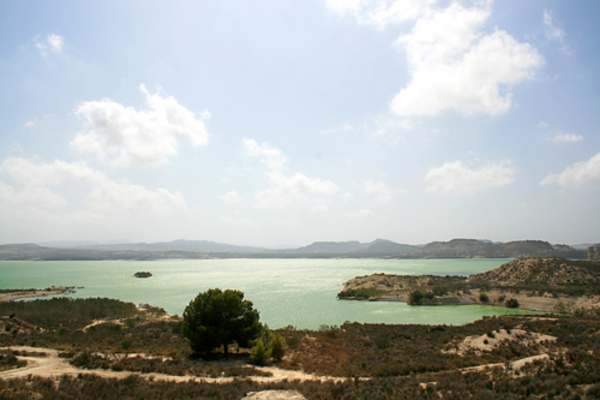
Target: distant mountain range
x,y
380,248
202,246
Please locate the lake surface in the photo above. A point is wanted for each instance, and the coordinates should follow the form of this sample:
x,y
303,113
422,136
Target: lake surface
x,y
299,292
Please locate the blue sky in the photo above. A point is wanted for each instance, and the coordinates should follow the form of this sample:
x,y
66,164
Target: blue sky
x,y
275,123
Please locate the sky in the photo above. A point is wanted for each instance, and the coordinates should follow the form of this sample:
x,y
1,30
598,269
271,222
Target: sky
x,y
280,123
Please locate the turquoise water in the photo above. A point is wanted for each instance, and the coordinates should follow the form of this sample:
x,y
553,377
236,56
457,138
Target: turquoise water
x,y
299,292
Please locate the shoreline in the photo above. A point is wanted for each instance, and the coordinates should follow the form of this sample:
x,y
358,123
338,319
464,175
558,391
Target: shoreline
x,y
19,294
550,285
546,303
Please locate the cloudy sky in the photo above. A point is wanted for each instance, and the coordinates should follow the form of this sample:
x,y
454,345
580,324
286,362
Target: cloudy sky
x,y
277,123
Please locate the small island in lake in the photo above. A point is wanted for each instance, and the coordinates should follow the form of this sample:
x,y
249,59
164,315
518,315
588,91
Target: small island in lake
x,y
533,283
143,274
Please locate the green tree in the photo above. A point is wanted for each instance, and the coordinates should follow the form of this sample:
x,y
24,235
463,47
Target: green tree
x,y
218,318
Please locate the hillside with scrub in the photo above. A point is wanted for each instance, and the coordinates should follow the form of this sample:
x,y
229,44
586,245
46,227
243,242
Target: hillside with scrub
x,y
529,283
66,348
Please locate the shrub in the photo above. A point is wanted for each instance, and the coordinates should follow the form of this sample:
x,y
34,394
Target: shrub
x,y
415,298
269,345
511,303
361,293
278,347
440,290
259,354
484,298
381,341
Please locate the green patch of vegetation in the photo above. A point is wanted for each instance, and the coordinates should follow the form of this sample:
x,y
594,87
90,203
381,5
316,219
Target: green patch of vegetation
x,y
269,345
416,297
77,313
484,298
440,290
361,293
511,303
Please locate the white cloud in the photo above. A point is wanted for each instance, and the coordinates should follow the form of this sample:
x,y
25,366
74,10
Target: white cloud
x,y
563,137
30,124
379,189
55,42
458,180
576,174
231,197
343,6
52,43
381,13
271,156
285,188
552,31
138,138
73,188
543,124
454,66
453,63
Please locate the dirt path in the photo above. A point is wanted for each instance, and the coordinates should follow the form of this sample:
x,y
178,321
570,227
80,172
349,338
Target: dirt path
x,y
52,366
514,365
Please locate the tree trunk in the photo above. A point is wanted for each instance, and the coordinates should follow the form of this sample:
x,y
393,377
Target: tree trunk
x,y
226,350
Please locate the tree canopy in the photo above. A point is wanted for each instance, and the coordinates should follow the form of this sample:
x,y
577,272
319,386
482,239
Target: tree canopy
x,y
218,318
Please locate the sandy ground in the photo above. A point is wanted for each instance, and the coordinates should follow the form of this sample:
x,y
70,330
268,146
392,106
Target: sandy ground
x,y
53,366
484,343
32,293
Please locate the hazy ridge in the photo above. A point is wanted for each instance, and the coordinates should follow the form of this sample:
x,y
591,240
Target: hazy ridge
x,y
456,248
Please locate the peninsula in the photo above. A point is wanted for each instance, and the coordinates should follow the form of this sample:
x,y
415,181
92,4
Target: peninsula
x,y
530,283
17,294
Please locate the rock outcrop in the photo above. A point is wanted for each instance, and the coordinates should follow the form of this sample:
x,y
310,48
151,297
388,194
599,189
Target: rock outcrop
x,y
274,395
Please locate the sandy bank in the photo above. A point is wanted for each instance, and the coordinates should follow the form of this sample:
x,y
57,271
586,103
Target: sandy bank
x,y
32,293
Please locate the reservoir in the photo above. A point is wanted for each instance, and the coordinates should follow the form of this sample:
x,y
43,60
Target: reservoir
x,y
299,292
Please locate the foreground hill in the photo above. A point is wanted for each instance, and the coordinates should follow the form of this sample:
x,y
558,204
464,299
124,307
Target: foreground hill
x,y
102,348
538,284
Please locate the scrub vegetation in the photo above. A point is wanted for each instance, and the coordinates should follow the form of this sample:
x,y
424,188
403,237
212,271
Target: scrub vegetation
x,y
482,359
